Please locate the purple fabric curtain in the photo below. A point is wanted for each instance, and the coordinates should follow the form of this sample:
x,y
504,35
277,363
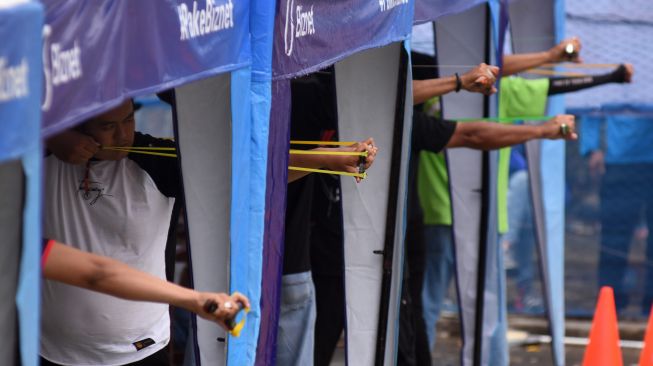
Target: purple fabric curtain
x,y
275,212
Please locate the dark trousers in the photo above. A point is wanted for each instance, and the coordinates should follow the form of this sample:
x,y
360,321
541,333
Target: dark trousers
x,y
626,192
413,342
157,359
330,320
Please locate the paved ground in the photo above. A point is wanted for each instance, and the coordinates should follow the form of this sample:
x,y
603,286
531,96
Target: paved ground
x,y
581,258
448,346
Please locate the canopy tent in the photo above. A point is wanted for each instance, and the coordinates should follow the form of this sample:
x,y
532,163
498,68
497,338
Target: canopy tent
x,y
372,88
20,178
537,26
476,195
463,37
466,39
101,53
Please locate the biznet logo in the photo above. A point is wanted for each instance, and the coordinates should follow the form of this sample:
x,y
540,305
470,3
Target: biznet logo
x,y
299,23
13,80
61,65
197,22
386,5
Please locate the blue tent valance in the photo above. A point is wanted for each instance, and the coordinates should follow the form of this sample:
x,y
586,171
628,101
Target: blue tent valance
x,y
97,53
311,36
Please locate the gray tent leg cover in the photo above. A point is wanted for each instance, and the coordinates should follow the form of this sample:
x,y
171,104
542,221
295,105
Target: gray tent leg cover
x,y
204,139
11,213
532,23
462,40
367,100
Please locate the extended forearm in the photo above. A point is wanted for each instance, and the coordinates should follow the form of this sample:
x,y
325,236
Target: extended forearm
x,y
513,64
424,90
106,275
571,84
304,161
489,136
122,281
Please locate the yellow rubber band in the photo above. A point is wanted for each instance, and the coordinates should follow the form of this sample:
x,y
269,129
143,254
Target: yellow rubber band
x,y
336,143
142,152
241,324
324,171
318,152
141,148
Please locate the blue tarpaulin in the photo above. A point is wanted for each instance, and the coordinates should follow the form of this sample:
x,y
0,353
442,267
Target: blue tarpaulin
x,y
133,48
20,94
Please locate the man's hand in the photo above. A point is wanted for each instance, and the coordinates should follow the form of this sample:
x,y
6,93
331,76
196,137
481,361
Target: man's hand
x,y
72,147
597,164
351,163
630,70
558,52
225,309
562,126
480,79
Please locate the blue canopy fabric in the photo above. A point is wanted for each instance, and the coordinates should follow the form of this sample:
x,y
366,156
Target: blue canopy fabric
x,y
242,351
20,76
132,48
310,37
313,36
20,94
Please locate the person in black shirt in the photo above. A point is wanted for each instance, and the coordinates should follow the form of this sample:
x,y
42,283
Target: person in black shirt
x,y
312,118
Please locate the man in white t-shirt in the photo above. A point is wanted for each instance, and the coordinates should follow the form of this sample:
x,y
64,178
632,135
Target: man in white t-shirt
x,y
117,205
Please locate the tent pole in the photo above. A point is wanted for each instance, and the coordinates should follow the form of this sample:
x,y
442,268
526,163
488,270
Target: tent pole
x,y
391,216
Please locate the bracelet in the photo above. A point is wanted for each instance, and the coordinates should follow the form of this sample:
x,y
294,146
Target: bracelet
x,y
459,83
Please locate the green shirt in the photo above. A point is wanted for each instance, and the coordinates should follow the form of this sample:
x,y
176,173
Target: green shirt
x,y
518,97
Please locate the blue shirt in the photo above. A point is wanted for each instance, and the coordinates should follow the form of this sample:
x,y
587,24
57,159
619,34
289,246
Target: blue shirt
x,y
628,134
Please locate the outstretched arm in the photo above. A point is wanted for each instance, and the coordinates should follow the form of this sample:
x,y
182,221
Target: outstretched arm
x,y
489,135
333,162
102,274
513,64
623,74
480,79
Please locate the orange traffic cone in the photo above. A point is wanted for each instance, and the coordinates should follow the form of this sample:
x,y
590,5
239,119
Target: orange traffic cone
x,y
603,348
646,357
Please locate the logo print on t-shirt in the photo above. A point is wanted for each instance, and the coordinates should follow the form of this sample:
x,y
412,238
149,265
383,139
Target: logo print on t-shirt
x,y
91,190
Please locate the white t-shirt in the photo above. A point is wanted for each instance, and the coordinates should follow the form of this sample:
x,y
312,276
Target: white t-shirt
x,y
121,214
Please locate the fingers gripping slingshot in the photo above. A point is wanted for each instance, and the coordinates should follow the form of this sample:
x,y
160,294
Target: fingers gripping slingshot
x,y
564,129
570,51
361,154
210,306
